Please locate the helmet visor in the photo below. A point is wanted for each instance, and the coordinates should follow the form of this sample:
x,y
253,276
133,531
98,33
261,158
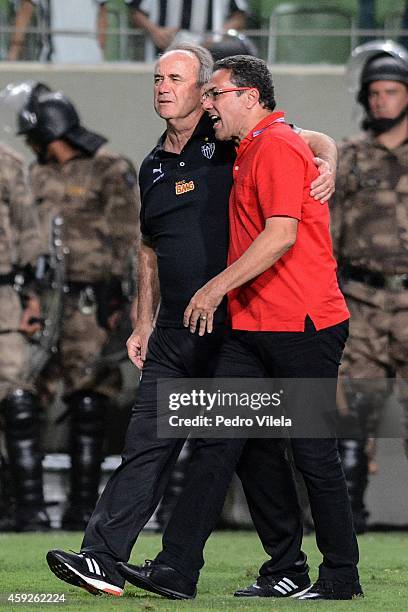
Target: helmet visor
x,y
14,98
363,53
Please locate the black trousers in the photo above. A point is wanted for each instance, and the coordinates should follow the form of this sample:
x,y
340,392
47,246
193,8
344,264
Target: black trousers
x,y
136,487
264,469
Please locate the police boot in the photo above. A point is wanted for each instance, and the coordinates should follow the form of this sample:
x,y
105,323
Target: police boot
x,y
174,486
6,499
88,412
364,410
355,465
22,436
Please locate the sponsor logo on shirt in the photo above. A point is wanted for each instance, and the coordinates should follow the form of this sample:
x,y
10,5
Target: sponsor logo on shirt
x,y
208,149
184,186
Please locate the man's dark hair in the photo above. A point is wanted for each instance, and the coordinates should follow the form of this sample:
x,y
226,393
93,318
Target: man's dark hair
x,y
248,71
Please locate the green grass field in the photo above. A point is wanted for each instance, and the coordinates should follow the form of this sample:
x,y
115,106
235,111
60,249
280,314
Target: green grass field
x,y
232,560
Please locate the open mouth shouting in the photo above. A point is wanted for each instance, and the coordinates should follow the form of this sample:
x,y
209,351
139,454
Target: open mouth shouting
x,y
216,120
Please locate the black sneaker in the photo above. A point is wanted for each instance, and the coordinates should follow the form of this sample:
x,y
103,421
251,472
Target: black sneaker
x,y
158,578
327,589
284,585
83,571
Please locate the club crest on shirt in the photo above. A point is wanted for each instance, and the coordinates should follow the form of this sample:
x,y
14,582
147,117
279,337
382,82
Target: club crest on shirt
x,y
184,186
208,149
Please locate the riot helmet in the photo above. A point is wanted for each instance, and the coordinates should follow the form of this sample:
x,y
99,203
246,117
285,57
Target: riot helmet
x,y
231,43
377,60
52,116
364,54
382,67
219,45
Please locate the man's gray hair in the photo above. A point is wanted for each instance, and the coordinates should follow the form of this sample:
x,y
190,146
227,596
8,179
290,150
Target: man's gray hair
x,y
204,58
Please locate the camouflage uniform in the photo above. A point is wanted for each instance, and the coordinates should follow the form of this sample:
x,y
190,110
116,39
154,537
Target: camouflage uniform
x,y
97,198
20,244
370,233
98,201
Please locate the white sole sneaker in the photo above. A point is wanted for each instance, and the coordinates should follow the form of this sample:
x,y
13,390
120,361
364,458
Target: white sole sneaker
x,y
296,595
66,572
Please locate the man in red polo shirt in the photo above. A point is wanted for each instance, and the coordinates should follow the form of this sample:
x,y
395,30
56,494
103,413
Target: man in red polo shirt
x,y
289,320
287,312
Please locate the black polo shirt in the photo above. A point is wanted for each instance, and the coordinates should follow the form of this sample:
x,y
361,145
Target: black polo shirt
x,y
184,215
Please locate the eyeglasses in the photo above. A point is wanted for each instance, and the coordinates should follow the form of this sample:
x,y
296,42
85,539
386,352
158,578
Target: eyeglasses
x,y
212,94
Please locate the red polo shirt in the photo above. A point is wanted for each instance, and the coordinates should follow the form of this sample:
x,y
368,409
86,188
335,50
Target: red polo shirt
x,y
272,176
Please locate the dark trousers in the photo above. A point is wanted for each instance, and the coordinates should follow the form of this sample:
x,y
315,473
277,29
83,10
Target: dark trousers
x,y
264,467
134,490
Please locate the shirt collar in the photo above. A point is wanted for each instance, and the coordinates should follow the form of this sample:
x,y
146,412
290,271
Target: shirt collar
x,y
203,128
259,128
265,123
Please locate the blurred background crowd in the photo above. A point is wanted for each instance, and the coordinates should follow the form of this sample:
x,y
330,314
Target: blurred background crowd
x,y
90,31
68,226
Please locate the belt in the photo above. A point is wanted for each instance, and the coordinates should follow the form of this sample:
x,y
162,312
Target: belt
x,y
7,279
392,282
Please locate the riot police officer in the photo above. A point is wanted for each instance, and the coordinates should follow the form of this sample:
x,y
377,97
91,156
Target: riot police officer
x,y
370,225
20,246
95,193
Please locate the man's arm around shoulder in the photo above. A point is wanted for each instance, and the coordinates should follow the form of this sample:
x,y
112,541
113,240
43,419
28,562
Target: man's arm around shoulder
x,y
325,157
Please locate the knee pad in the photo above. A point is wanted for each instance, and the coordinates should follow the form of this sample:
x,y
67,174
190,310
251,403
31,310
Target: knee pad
x,y
21,415
88,412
